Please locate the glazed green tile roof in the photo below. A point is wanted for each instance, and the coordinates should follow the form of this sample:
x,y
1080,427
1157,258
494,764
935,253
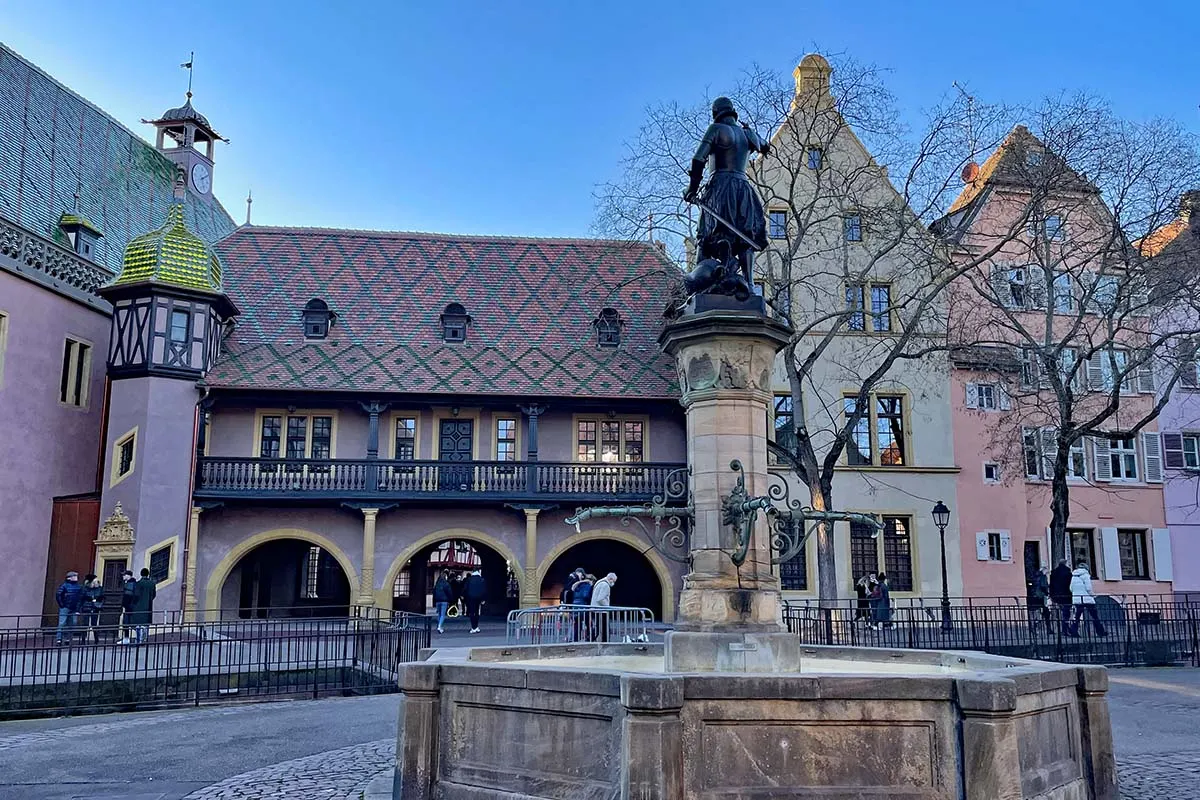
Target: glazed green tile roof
x,y
69,220
171,255
54,144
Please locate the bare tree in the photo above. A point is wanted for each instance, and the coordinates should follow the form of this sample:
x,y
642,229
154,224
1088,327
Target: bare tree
x,y
1082,330
852,266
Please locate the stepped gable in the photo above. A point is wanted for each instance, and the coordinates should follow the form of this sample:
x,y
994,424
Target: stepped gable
x,y
54,143
532,305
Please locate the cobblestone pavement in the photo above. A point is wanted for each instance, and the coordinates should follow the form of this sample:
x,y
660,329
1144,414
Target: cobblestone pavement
x,y
330,749
333,775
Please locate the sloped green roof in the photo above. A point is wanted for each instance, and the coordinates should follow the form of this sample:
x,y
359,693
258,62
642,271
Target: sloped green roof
x,y
171,255
78,221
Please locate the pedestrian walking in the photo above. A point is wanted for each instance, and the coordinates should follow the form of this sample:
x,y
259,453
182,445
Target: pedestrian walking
x,y
128,591
1083,597
142,614
474,591
862,589
883,604
1060,591
581,595
93,603
1038,597
873,598
443,595
69,598
602,598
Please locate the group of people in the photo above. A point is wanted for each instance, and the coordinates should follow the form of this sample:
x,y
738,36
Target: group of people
x,y
1071,591
874,600
80,604
581,588
450,589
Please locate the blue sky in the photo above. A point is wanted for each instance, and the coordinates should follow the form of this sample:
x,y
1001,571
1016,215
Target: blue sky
x,y
501,117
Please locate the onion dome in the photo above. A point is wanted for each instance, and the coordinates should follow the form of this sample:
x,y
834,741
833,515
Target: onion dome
x,y
185,113
171,255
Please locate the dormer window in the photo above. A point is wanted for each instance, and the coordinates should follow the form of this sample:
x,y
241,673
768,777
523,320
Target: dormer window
x,y
608,328
454,323
317,319
82,234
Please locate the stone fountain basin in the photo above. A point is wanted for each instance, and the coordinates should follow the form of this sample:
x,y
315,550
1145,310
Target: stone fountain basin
x,y
577,722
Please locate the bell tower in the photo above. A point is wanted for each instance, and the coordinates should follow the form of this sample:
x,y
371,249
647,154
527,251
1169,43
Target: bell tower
x,y
169,313
186,137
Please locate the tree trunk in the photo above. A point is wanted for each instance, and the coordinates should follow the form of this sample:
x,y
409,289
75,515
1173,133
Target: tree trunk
x,y
827,586
1060,503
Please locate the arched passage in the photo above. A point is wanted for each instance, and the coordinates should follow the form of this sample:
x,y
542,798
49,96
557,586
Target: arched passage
x,y
408,583
286,572
643,580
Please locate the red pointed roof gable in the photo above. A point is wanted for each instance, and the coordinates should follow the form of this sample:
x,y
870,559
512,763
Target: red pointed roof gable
x,y
532,306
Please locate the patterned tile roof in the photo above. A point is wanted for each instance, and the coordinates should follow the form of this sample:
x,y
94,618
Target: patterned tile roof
x,y
54,142
532,304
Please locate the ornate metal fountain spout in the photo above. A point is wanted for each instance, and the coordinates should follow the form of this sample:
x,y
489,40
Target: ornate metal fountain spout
x,y
789,533
673,506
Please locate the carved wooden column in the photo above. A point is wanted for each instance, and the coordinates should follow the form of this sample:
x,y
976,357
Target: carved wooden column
x,y
532,412
530,590
366,587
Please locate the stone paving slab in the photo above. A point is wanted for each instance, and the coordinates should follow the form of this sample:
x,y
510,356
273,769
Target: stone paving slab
x,y
333,775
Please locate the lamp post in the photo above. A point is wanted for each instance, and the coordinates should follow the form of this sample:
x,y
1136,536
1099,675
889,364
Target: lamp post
x,y
941,518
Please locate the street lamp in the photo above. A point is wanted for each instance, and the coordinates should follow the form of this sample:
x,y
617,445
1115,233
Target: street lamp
x,y
941,518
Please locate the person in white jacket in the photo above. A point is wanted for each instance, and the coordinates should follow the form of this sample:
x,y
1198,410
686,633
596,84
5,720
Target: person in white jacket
x,y
1083,597
602,596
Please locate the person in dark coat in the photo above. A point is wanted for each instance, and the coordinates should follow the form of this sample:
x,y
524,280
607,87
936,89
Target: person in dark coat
x,y
128,590
474,591
69,597
1038,596
93,602
143,606
1060,590
882,595
443,596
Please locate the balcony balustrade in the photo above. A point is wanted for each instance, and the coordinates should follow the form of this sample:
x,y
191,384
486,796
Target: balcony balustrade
x,y
367,479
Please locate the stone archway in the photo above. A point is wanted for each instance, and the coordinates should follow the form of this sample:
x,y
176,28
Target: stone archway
x,y
550,573
493,553
220,575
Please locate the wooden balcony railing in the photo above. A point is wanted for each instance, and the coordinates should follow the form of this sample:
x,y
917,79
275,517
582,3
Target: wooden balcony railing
x,y
350,479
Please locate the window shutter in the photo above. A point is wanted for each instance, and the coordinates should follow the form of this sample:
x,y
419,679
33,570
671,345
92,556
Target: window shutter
x,y
1145,374
1160,540
981,546
1110,554
972,395
1152,456
1003,398
1103,465
1173,447
1005,545
1048,439
1095,372
1035,286
999,280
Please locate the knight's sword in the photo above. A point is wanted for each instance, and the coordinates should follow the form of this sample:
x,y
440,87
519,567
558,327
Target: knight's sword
x,y
729,225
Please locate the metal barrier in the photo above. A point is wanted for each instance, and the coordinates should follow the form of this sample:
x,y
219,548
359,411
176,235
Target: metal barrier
x,y
194,662
1134,633
565,624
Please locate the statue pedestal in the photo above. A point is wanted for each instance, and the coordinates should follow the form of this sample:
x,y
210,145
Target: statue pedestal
x,y
725,358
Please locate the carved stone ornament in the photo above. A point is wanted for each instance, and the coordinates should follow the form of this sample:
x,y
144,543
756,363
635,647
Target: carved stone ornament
x,y
117,529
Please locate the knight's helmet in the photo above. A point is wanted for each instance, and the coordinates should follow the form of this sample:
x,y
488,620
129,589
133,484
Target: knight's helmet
x,y
722,107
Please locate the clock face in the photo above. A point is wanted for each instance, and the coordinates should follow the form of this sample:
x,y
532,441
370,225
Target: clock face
x,y
201,178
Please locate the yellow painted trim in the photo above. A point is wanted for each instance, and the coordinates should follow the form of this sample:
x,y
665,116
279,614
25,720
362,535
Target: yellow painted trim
x,y
517,419
598,418
440,414
212,588
299,412
3,343
85,393
114,477
657,562
172,573
391,418
467,534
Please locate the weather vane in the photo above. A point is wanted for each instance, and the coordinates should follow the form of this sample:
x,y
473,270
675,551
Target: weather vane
x,y
188,66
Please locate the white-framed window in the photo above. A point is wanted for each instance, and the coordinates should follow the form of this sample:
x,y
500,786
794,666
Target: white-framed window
x,y
506,439
993,546
1077,461
1032,452
1055,227
988,397
852,227
1064,293
124,457
1191,451
777,224
620,440
1123,457
991,472
814,157
76,373
1031,368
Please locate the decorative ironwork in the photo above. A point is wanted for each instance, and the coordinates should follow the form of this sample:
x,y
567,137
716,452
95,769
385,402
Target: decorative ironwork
x,y
787,517
671,510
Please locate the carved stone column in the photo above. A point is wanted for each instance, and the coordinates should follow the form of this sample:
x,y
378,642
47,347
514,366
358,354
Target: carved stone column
x,y
190,605
530,590
366,588
725,360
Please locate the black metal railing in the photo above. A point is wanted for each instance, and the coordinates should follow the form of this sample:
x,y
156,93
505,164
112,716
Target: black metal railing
x,y
370,478
179,661
1131,633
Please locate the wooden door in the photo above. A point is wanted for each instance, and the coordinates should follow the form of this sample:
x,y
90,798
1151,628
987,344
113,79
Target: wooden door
x,y
74,523
456,445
